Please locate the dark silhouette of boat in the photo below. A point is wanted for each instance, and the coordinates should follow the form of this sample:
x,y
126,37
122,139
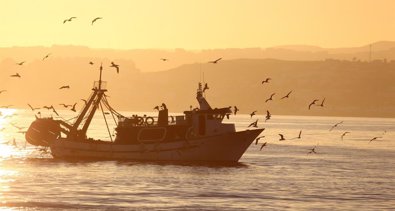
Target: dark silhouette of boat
x,y
198,136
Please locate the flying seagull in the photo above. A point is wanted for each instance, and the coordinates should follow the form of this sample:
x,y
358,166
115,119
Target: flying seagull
x,y
254,124
263,145
64,105
1,91
65,87
322,103
266,80
91,63
68,20
46,56
235,110
21,63
253,113
286,96
257,139
342,136
215,61
335,125
16,75
94,20
84,101
281,137
73,108
299,136
115,66
31,107
312,150
270,98
268,115
312,103
374,138
164,59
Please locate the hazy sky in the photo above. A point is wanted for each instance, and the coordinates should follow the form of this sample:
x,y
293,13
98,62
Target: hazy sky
x,y
200,24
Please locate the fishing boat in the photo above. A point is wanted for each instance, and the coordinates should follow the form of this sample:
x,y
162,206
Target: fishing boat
x,y
199,135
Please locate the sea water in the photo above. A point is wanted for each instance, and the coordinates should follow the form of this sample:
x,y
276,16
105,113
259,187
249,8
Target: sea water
x,y
348,174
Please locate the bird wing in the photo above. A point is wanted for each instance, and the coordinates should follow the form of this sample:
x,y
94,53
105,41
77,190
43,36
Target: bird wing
x,y
217,60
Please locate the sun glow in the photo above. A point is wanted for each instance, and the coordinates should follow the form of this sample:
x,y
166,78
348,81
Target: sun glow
x,y
5,137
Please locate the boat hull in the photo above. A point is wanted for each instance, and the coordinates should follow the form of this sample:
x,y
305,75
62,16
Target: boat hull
x,y
227,147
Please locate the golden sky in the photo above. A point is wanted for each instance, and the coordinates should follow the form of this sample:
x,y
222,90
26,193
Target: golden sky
x,y
200,24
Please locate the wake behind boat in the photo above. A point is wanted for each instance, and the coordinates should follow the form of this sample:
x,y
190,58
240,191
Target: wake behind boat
x,y
198,136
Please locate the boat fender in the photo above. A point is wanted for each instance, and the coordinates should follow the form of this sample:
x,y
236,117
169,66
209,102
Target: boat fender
x,y
149,120
140,120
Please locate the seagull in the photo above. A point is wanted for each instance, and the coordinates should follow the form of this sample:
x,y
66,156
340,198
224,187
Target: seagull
x,y
300,134
281,137
65,87
235,110
257,139
20,63
312,103
91,63
268,115
263,145
215,61
73,108
254,124
31,107
266,80
322,103
286,96
84,101
64,105
270,98
115,65
374,138
1,91
16,126
312,150
335,125
205,87
156,108
7,106
164,59
68,20
47,107
253,113
46,56
94,20
342,136
16,75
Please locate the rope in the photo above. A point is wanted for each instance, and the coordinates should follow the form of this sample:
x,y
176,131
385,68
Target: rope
x,y
104,116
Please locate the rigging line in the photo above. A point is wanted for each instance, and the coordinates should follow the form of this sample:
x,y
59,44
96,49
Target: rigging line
x,y
111,109
104,116
112,114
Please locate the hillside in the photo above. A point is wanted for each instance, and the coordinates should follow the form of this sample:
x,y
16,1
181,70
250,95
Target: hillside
x,y
351,88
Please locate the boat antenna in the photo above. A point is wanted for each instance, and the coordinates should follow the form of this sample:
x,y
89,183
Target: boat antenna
x,y
101,70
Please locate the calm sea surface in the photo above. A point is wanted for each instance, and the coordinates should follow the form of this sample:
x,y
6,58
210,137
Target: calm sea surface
x,y
349,174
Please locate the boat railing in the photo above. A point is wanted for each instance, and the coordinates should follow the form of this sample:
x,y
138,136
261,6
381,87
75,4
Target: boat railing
x,y
149,120
100,85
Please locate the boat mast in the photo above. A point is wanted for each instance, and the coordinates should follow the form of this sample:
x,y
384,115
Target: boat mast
x,y
92,104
